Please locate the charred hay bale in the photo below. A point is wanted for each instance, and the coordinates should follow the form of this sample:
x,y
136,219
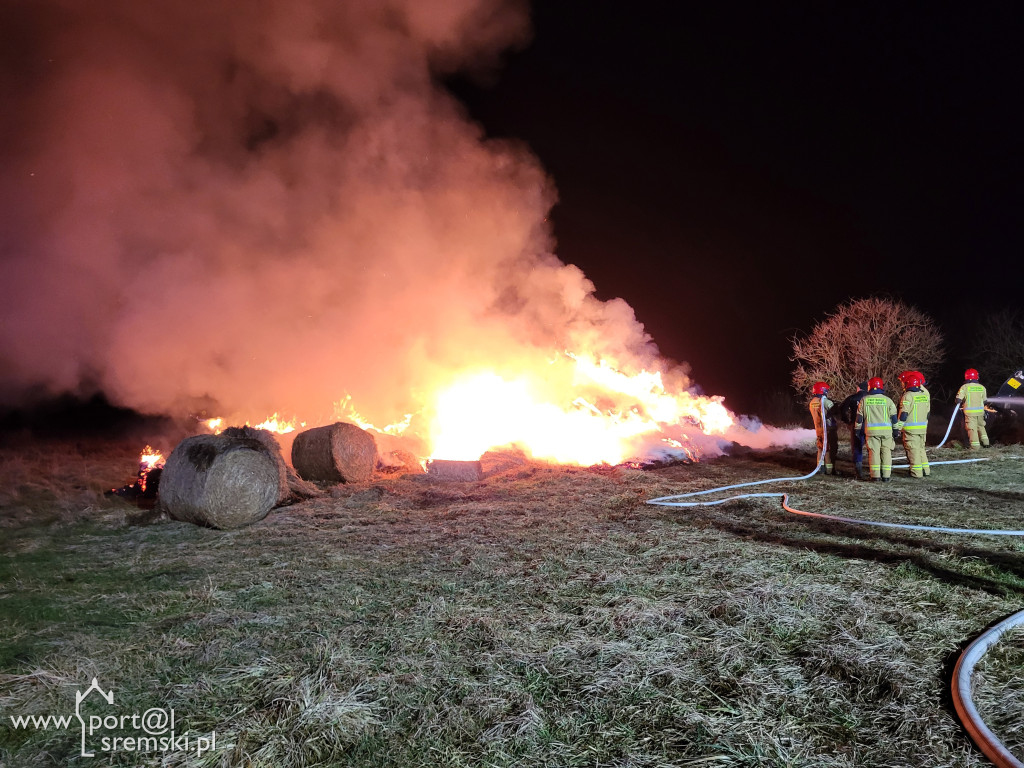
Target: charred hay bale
x,y
218,480
338,453
269,442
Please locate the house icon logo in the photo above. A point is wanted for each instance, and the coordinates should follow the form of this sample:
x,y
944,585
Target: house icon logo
x,y
80,698
108,730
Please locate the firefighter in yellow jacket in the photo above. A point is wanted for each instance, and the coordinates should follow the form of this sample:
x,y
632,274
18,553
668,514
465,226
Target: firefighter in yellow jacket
x,y
819,397
876,413
972,396
913,422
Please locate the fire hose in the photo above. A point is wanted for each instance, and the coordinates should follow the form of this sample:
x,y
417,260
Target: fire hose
x,y
989,744
945,437
963,701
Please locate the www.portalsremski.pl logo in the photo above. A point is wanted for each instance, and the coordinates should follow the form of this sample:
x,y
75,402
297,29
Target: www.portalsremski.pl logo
x,y
108,731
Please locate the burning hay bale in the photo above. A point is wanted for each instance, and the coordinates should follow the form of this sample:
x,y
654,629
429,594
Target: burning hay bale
x,y
219,480
338,453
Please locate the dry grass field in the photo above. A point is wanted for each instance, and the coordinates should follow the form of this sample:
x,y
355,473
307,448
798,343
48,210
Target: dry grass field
x,y
545,616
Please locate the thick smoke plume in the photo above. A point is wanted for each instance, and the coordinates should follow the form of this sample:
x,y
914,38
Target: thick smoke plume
x,y
267,206
271,205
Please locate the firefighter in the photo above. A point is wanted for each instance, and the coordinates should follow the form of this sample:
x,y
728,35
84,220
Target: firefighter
x,y
913,423
848,413
819,396
971,398
877,414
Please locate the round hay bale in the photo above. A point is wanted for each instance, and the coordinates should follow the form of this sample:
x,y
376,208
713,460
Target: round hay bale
x,y
269,442
338,453
221,481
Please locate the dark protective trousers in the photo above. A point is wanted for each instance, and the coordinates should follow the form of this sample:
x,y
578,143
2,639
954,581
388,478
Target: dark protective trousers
x,y
857,445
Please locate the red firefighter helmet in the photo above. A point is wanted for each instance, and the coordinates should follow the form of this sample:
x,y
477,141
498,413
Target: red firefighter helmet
x,y
876,383
921,375
820,388
915,379
904,377
970,375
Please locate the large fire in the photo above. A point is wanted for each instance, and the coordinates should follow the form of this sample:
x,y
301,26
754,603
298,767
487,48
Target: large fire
x,y
568,408
579,411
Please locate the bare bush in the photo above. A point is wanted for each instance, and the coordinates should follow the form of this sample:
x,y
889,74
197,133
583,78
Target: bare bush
x,y
998,348
865,338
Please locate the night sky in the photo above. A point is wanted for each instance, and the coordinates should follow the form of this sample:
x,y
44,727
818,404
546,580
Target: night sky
x,y
734,171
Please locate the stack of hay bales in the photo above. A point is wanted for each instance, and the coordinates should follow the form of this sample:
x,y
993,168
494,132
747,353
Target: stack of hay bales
x,y
338,453
221,481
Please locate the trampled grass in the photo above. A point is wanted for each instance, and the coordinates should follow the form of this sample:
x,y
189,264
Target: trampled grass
x,y
543,616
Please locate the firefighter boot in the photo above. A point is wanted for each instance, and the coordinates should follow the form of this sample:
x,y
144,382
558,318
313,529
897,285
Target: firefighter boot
x,y
859,466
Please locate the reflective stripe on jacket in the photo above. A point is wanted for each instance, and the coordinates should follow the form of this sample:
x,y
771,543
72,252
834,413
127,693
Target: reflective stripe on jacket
x,y
973,394
877,412
916,405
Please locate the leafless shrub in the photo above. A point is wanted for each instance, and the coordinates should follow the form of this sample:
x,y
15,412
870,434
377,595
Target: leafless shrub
x,y
865,338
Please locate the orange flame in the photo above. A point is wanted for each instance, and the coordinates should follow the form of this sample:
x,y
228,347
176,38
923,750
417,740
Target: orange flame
x,y
571,409
275,424
149,459
482,410
272,424
345,410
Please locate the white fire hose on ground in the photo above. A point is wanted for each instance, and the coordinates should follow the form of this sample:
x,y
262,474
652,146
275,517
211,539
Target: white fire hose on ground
x,y
963,702
952,418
